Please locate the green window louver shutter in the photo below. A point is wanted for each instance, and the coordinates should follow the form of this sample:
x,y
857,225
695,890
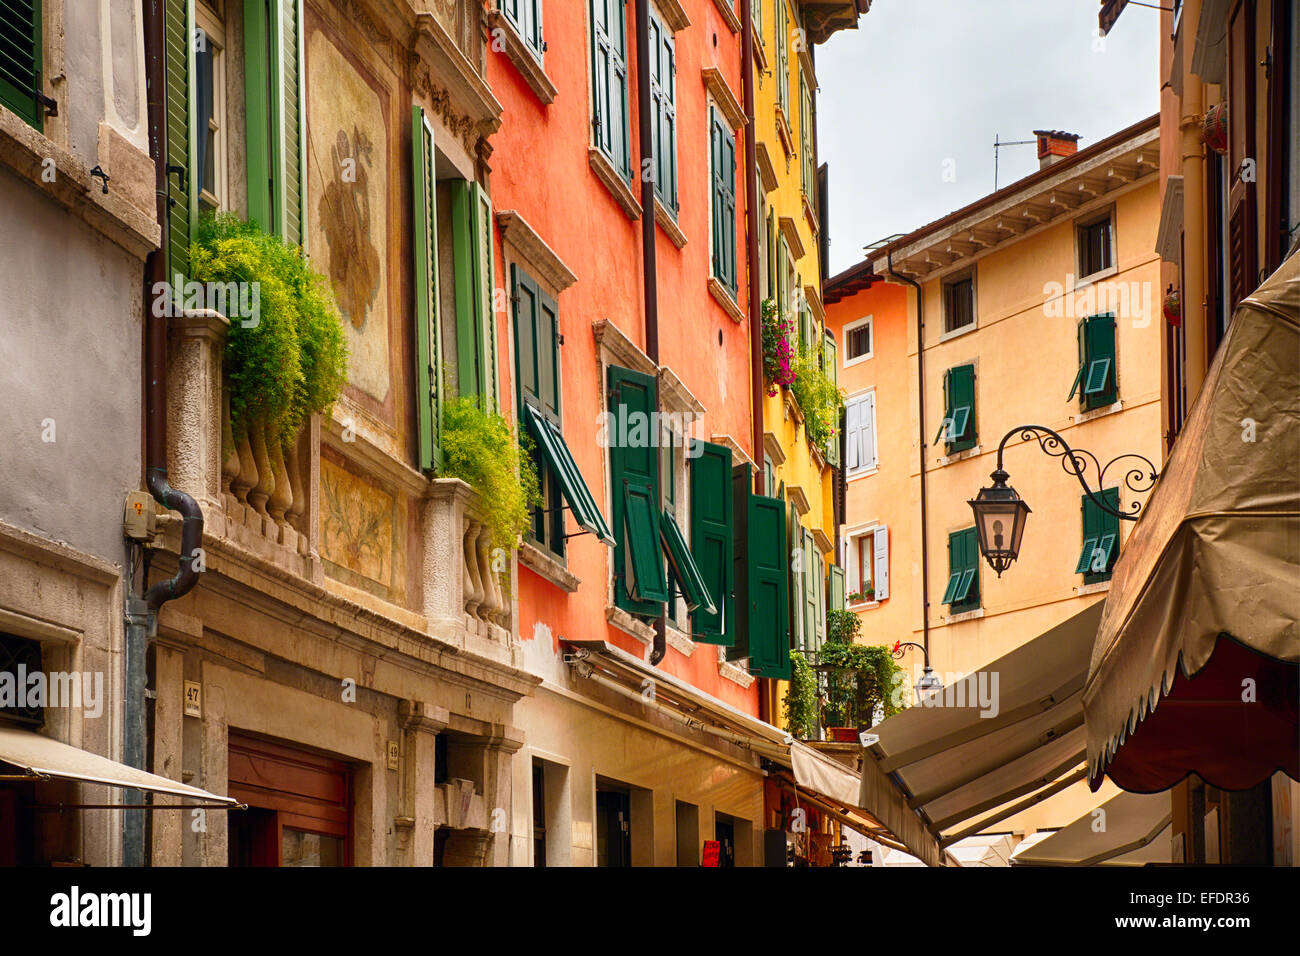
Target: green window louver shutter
x,y
1099,380
767,592
273,89
723,161
712,542
958,428
682,564
831,366
428,359
1081,331
807,177
663,95
537,345
835,588
559,461
609,82
21,53
476,335
962,591
794,579
773,270
812,596
639,583
1100,537
782,58
737,633
182,138
526,17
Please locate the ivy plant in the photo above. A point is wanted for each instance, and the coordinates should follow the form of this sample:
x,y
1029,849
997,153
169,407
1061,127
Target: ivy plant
x,y
801,699
818,396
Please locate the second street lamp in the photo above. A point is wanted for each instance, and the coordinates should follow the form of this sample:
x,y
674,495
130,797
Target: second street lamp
x,y
1000,513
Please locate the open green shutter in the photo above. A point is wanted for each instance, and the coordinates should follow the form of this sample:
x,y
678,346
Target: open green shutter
x,y
21,44
767,568
684,569
259,67
634,479
555,451
961,407
835,588
485,270
772,265
469,325
428,359
811,578
742,486
290,139
273,95
1081,332
711,541
1100,381
182,187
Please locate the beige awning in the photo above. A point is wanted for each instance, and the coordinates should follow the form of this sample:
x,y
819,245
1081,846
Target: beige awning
x,y
1131,829
41,757
1215,554
886,817
964,765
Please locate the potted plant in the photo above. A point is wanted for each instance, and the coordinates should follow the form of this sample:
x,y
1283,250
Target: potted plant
x,y
818,397
860,679
778,356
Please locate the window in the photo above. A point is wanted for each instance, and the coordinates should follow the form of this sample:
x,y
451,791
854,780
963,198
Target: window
x,y
756,8
723,162
831,367
274,122
1096,247
713,541
1096,382
1100,538
868,571
20,64
19,657
537,371
476,318
762,581
526,17
860,434
959,304
812,584
957,430
858,340
640,585
807,156
963,590
539,813
609,120
210,99
663,97
782,58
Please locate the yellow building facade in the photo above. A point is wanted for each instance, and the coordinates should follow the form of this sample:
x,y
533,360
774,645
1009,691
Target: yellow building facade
x,y
1041,304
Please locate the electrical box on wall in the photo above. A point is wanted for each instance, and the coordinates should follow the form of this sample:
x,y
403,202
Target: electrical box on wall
x,y
140,520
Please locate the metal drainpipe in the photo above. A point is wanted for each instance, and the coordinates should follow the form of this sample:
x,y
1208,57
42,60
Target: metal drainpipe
x,y
752,227
920,386
142,612
649,266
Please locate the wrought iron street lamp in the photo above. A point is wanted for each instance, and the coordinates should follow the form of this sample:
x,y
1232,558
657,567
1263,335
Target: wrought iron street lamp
x,y
929,682
1000,513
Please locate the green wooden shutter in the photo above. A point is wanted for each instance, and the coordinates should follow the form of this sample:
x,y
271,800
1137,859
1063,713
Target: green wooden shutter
x,y
794,579
1081,333
1100,535
959,387
831,366
737,629
182,143
609,82
273,87
21,44
835,588
485,268
782,58
634,477
537,357
768,594
813,621
428,359
663,73
1099,385
712,541
476,338
728,184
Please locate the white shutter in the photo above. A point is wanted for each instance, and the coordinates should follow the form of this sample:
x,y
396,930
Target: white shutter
x,y
882,562
852,420
867,431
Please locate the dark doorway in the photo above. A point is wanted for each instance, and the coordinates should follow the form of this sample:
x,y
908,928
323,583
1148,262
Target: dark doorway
x,y
613,828
724,831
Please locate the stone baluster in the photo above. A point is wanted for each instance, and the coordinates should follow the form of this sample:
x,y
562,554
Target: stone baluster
x,y
261,492
491,588
474,592
230,463
296,511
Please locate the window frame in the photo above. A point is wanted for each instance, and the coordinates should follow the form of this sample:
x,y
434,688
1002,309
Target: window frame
x,y
1082,246
948,285
1107,528
868,323
534,40
1092,397
717,201
968,437
663,99
618,56
214,27
963,593
867,397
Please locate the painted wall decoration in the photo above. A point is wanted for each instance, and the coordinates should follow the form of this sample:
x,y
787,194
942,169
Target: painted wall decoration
x,y
347,137
356,526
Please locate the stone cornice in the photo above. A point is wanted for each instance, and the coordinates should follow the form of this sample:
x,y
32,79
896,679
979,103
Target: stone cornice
x,y
533,250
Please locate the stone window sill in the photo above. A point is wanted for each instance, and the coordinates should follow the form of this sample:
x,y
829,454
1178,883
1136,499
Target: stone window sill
x,y
729,670
548,567
1097,413
1096,587
960,456
629,625
668,224
722,295
617,186
725,7
958,333
679,641
974,615
525,61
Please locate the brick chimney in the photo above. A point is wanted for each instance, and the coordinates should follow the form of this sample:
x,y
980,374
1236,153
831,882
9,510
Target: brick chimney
x,y
1054,145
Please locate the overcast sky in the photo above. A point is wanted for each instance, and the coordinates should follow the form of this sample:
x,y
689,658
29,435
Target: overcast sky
x,y
924,81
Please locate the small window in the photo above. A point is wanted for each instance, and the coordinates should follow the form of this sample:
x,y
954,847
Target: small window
x,y
959,304
866,588
957,430
860,434
19,658
723,162
1095,382
962,592
526,17
1100,537
857,340
663,104
210,96
868,571
1096,247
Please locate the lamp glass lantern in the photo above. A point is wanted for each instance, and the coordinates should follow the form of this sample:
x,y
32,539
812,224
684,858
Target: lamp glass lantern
x,y
1000,516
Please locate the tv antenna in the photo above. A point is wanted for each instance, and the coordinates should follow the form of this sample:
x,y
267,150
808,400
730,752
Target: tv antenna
x,y
997,145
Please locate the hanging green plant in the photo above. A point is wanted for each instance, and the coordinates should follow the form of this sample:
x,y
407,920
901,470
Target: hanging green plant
x,y
818,396
801,699
861,679
481,449
288,359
